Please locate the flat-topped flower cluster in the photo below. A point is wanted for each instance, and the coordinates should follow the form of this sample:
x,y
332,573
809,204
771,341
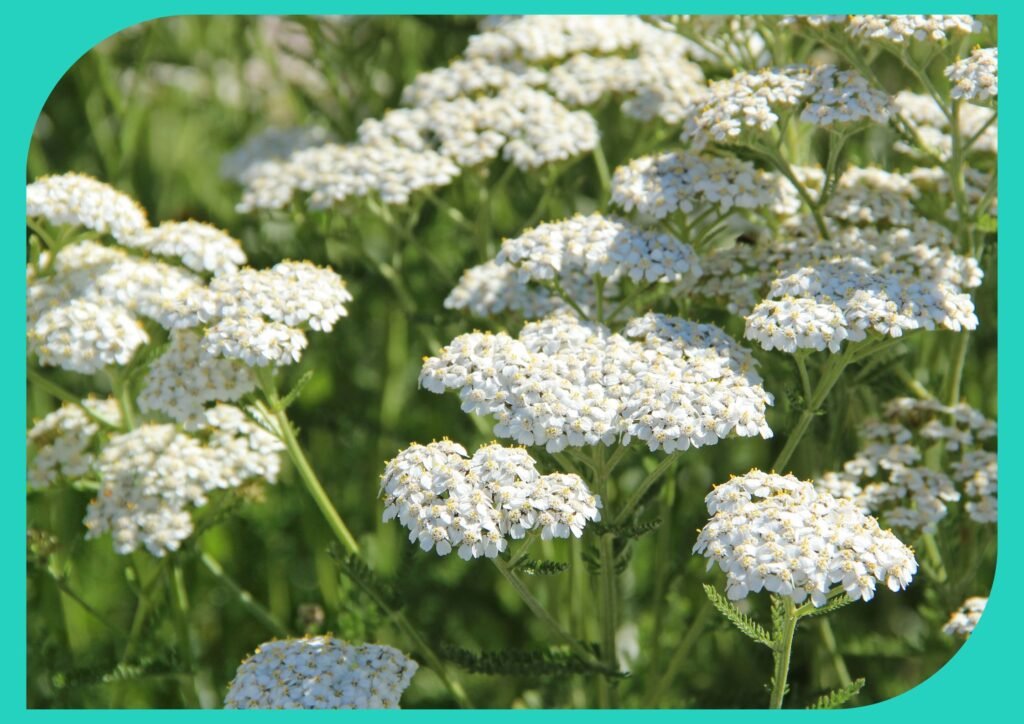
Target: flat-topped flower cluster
x,y
321,672
451,501
563,382
777,533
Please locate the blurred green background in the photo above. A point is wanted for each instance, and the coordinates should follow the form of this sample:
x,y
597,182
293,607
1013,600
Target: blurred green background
x,y
152,111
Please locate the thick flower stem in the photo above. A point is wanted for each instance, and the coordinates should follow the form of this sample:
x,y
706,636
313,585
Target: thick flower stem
x,y
783,652
180,604
609,614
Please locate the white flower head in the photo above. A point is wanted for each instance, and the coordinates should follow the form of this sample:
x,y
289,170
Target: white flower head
x,y
63,441
777,533
320,672
74,199
963,620
975,78
666,381
200,247
448,500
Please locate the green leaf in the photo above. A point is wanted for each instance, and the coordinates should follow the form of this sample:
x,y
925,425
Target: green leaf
x,y
835,699
288,399
542,568
548,662
740,620
988,224
833,605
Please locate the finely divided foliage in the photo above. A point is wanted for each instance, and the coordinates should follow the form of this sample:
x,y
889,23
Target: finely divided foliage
x,y
792,230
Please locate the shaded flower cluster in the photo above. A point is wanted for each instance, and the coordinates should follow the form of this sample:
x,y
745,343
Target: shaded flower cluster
x,y
963,620
320,672
152,476
888,476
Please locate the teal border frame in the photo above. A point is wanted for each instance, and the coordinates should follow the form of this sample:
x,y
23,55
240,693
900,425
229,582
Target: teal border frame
x,y
44,39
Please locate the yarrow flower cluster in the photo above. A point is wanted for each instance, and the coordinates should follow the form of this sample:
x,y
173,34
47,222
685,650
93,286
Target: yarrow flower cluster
x,y
151,476
182,380
332,173
751,102
777,533
493,288
902,29
888,476
200,247
64,440
975,78
740,276
271,144
563,382
258,316
963,620
843,299
448,500
320,672
657,186
596,245
74,199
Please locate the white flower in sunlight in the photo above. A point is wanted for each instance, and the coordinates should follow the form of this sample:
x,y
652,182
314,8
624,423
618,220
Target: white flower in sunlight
x,y
200,247
779,534
74,199
83,336
901,29
975,77
963,620
563,382
62,441
320,672
448,500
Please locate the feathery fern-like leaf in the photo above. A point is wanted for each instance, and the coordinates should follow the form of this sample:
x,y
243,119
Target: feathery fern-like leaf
x,y
740,620
835,699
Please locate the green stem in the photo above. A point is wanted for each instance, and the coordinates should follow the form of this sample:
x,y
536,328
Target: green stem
x,y
828,637
956,372
931,549
122,393
601,163
298,457
538,610
773,157
179,601
831,373
680,656
642,488
249,603
783,653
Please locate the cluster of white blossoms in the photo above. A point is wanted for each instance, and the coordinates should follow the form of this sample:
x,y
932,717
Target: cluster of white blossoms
x,y
259,316
449,500
491,288
83,336
271,144
77,200
888,476
540,38
975,78
847,297
527,126
754,101
777,533
902,29
932,126
183,380
666,381
200,247
739,276
660,185
332,173
151,477
963,620
469,77
320,672
597,245
63,441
